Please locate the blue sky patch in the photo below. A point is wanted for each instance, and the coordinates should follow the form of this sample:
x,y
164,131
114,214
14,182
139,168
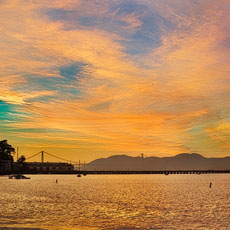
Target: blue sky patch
x,y
65,83
9,113
70,72
142,40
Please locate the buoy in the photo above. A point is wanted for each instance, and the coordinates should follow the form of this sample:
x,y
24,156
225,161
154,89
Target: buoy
x,y
210,185
56,181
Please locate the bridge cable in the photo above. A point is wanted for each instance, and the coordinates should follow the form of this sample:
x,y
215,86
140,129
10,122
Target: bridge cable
x,y
60,158
33,155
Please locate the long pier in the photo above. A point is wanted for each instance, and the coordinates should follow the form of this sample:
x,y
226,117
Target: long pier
x,y
123,172
165,172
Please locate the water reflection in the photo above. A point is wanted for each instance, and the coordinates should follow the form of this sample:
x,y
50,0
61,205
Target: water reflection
x,y
116,202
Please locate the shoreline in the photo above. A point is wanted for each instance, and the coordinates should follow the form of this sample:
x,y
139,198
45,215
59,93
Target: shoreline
x,y
121,172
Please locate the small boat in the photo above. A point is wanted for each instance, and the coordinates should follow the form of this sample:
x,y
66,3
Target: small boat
x,y
18,176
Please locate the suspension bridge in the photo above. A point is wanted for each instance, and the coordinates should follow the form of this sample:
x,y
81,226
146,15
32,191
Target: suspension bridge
x,y
76,164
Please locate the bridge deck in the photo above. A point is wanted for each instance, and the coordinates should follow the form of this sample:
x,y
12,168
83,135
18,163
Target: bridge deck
x,y
166,172
97,172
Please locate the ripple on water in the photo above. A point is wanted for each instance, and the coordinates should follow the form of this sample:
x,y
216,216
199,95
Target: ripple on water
x,y
116,202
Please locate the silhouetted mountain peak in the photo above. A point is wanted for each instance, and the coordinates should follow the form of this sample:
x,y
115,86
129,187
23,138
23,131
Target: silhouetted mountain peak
x,y
183,161
189,156
112,158
119,157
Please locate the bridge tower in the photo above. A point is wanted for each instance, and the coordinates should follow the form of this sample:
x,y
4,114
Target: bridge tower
x,y
42,156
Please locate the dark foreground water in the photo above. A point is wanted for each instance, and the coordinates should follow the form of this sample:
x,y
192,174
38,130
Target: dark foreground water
x,y
116,202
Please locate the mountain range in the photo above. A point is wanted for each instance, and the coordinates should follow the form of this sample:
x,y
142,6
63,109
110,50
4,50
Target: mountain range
x,y
183,161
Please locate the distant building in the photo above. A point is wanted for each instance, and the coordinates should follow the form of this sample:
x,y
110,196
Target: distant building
x,y
45,167
5,165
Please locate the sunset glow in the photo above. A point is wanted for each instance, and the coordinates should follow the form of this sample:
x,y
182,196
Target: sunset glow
x,y
90,79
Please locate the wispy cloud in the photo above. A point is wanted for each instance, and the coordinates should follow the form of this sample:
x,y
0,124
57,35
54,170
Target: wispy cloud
x,y
118,77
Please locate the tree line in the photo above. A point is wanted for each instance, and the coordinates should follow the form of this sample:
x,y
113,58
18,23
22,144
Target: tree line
x,y
7,152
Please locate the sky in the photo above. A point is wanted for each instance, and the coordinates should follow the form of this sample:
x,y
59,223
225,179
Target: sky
x,y
90,79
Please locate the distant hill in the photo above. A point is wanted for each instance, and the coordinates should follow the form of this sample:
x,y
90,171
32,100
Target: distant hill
x,y
183,161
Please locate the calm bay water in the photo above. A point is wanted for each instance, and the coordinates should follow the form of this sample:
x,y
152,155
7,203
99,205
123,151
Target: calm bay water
x,y
118,202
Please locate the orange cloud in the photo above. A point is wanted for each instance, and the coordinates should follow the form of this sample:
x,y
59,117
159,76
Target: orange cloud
x,y
128,103
220,134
